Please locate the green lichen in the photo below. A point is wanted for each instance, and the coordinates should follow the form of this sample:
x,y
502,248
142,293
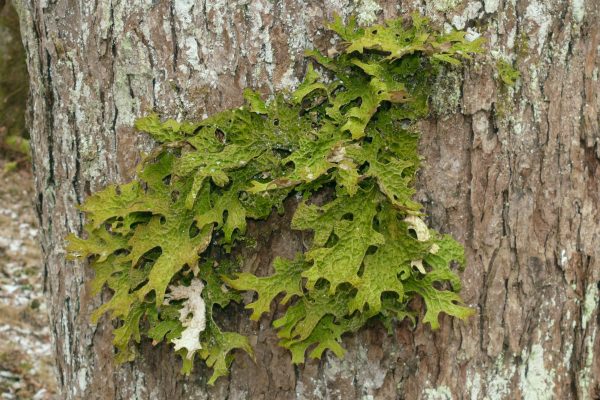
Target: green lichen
x,y
346,131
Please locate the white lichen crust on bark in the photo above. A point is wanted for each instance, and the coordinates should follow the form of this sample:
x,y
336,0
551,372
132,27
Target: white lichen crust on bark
x,y
512,172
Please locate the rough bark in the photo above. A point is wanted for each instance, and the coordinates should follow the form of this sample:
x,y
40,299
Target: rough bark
x,y
511,172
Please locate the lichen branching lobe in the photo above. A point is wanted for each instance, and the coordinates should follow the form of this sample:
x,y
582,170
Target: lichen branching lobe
x,y
347,129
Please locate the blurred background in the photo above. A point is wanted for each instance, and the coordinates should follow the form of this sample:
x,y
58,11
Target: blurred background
x,y
26,369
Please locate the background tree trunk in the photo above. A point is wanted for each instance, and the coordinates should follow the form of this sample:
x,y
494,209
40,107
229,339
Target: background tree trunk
x,y
511,172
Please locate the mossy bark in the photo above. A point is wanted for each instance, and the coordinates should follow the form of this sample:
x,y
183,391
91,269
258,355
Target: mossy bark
x,y
512,172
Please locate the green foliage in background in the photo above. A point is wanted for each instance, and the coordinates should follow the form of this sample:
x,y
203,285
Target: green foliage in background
x,y
346,134
14,83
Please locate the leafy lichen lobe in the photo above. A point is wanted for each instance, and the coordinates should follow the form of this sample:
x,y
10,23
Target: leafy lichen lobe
x,y
346,130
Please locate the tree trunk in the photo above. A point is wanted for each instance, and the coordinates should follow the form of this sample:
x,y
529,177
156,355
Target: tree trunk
x,y
511,172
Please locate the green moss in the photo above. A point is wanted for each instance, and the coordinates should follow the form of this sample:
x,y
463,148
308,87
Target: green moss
x,y
447,93
506,73
351,136
522,45
507,77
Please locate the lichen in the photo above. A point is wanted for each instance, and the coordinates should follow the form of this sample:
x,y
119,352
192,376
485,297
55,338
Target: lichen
x,y
474,384
438,393
447,93
444,5
491,6
539,15
348,132
536,381
499,377
578,7
366,11
192,316
590,306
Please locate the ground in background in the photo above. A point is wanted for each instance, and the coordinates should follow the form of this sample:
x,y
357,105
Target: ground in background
x,y
26,362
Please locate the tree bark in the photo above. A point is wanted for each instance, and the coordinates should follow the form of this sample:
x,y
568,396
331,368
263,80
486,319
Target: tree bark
x,y
513,173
